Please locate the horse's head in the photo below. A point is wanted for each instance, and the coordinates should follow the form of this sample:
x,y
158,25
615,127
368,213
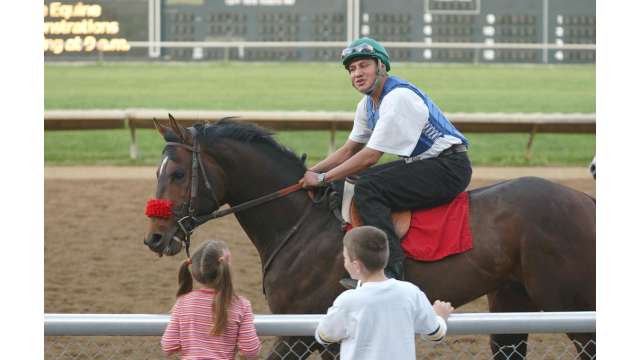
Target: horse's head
x,y
177,200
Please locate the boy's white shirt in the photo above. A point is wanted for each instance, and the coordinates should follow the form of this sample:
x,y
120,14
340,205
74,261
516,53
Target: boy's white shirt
x,y
379,320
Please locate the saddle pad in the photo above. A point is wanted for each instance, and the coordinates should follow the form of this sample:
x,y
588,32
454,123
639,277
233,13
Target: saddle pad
x,y
439,232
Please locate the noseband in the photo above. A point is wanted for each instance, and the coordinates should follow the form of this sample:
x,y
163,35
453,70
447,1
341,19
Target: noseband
x,y
186,218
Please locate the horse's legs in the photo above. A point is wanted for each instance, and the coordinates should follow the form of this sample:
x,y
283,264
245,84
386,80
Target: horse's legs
x,y
570,291
509,298
585,344
294,348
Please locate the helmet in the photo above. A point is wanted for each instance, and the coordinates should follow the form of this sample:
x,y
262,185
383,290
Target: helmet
x,y
365,47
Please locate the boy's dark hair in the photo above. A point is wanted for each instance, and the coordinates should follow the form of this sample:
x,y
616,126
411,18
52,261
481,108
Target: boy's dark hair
x,y
369,245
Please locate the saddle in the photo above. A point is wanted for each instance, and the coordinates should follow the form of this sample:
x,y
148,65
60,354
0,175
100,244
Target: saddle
x,y
426,234
401,219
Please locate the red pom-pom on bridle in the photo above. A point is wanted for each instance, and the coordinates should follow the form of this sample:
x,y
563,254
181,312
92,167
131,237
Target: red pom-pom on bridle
x,y
158,208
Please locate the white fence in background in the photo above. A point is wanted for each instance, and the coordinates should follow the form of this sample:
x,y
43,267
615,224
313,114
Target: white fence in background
x,y
341,44
531,123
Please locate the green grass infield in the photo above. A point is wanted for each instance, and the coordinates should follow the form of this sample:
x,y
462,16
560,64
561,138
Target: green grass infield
x,y
314,87
111,147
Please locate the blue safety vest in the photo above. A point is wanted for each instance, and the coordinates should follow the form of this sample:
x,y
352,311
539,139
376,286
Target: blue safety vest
x,y
437,125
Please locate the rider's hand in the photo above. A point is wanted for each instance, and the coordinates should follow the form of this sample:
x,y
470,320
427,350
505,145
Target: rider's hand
x,y
309,180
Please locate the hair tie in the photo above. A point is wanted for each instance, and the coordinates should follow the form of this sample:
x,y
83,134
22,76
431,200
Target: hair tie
x,y
226,255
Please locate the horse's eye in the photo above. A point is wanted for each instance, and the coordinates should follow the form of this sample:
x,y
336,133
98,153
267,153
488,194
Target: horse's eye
x,y
177,175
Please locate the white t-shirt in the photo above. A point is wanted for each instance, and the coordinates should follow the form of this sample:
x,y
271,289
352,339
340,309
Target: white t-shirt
x,y
379,320
403,115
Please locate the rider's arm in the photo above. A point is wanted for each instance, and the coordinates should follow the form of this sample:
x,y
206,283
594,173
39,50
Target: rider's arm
x,y
362,160
351,158
341,155
355,164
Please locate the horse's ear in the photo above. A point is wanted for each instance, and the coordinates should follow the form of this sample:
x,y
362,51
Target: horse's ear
x,y
179,130
160,128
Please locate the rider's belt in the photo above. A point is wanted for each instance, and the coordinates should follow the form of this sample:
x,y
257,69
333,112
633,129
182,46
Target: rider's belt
x,y
449,151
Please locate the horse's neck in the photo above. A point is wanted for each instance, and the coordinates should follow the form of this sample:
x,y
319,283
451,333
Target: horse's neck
x,y
268,223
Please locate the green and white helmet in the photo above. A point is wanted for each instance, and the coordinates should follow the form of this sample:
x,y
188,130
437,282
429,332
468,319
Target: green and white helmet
x,y
365,47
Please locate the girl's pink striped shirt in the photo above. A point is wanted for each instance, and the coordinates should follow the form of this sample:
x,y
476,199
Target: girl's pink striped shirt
x,y
191,322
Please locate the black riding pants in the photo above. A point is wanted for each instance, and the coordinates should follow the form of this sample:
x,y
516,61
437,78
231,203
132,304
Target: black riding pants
x,y
397,186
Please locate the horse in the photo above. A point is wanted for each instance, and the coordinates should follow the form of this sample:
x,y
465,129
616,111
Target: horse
x,y
534,240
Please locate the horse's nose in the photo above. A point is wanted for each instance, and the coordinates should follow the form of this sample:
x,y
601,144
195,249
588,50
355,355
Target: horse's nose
x,y
153,241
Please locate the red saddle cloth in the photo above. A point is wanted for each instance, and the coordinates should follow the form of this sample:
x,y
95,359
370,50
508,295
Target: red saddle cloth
x,y
439,232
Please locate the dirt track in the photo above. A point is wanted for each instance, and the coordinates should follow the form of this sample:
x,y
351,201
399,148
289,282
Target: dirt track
x,y
94,226
95,261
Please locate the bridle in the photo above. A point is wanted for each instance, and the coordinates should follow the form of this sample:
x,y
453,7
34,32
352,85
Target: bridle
x,y
187,219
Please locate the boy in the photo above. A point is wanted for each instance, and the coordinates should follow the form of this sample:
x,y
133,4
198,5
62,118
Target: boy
x,y
378,319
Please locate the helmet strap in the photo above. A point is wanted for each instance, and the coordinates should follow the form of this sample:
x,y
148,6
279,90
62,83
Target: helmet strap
x,y
379,75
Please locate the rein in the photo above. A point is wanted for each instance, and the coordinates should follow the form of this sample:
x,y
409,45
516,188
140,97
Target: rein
x,y
189,222
248,204
290,234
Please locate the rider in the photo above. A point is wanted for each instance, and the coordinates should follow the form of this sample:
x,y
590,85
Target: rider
x,y
394,117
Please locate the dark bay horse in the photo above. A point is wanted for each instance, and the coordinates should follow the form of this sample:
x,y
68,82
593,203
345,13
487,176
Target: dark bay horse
x,y
534,240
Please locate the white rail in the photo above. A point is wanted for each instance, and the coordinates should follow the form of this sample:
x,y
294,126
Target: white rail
x,y
304,325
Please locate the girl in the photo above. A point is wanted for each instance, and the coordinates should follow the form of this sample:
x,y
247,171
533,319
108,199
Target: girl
x,y
211,322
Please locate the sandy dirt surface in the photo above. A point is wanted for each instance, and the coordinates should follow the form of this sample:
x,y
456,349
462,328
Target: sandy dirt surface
x,y
95,260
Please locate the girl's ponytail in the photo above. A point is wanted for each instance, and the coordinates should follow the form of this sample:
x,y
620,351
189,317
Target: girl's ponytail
x,y
211,267
185,281
225,295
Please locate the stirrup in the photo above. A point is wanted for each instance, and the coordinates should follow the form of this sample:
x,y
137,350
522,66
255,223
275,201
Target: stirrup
x,y
349,283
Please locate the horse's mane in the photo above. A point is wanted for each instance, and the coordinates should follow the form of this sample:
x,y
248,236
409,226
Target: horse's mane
x,y
226,128
211,133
